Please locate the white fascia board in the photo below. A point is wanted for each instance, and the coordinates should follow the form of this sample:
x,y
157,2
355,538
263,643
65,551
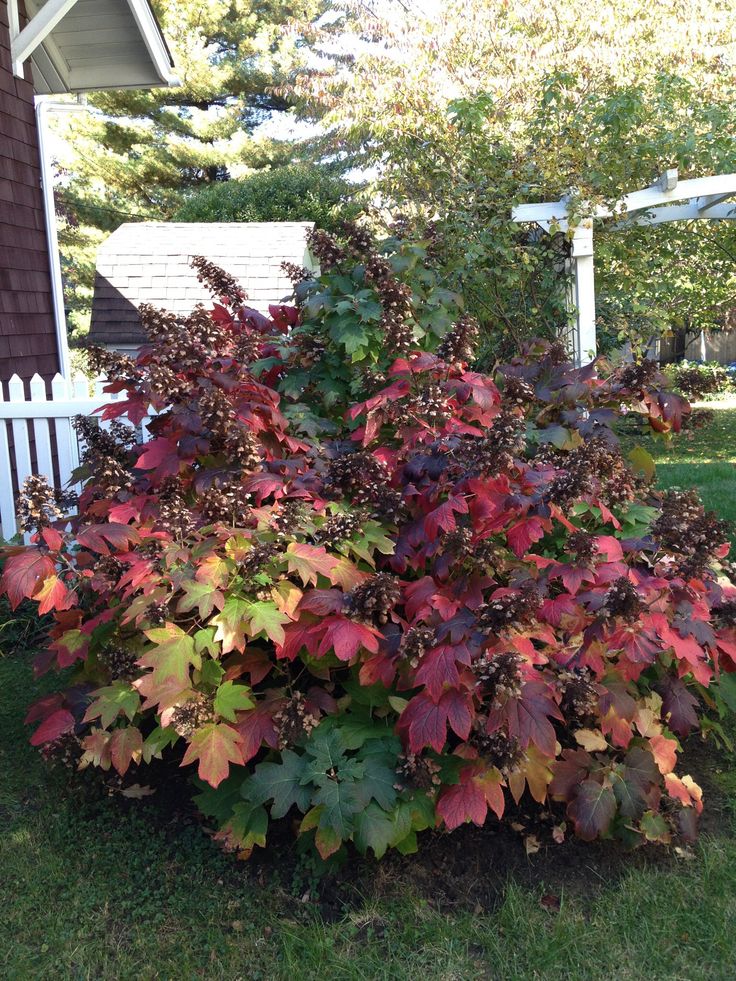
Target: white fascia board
x,y
151,35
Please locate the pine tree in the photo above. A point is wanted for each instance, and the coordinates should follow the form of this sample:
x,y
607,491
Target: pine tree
x,y
138,153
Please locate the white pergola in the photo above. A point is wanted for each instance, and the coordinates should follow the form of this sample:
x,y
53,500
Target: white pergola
x,y
668,199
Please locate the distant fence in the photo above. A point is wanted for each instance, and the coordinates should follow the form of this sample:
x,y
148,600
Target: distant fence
x,y
718,346
37,435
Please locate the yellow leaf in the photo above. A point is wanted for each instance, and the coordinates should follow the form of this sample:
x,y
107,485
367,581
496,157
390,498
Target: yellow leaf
x,y
591,739
286,595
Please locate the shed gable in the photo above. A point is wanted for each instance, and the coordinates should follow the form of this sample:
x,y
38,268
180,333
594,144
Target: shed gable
x,y
149,262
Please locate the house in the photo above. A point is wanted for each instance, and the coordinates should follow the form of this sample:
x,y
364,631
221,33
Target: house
x,y
47,48
149,262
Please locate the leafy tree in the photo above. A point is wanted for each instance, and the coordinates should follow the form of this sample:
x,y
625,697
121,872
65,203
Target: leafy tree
x,y
296,192
469,107
138,153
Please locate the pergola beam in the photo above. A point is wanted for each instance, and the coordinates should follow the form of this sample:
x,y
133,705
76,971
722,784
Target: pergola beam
x,y
25,42
710,201
668,199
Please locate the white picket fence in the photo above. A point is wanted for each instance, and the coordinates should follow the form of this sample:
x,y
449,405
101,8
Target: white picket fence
x,y
33,448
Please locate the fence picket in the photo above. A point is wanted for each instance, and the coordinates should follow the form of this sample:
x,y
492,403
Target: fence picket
x,y
67,443
7,504
22,445
68,399
42,436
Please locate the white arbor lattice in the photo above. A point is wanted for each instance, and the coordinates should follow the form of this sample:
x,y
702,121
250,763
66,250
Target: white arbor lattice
x,y
668,199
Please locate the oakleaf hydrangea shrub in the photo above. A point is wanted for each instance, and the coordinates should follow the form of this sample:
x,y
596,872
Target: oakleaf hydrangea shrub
x,y
380,616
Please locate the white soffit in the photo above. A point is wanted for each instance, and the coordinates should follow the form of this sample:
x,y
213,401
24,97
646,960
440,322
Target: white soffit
x,y
101,44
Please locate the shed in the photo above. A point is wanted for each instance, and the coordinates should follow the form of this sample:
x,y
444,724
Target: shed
x,y
149,262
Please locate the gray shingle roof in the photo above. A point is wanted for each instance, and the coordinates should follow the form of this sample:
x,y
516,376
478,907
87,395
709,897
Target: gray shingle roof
x,y
148,262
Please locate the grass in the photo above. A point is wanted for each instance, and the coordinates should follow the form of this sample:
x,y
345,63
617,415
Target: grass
x,y
705,459
90,891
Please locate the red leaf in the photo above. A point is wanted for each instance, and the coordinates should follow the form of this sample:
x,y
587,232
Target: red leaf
x,y
256,726
678,706
52,594
470,799
347,637
438,669
592,809
523,534
263,485
322,602
23,573
54,726
427,721
552,610
528,717
126,745
52,538
610,547
568,772
119,536
296,636
443,517
161,450
43,707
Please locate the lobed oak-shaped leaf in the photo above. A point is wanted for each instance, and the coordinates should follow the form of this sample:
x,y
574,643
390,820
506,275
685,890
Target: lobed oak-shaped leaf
x,y
215,746
23,574
592,809
126,747
172,656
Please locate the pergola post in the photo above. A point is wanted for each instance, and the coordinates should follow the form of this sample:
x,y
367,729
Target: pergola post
x,y
581,295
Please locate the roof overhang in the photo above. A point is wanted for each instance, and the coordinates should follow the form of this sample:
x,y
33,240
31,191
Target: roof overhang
x,y
83,45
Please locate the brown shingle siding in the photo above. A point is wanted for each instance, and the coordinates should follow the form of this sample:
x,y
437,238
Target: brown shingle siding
x,y
27,330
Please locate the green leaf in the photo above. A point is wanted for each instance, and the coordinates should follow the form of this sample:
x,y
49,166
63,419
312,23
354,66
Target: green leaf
x,y
281,783
377,782
642,461
654,827
341,801
157,741
350,334
202,595
265,617
231,698
172,655
379,830
204,641
231,622
211,673
247,826
117,698
220,802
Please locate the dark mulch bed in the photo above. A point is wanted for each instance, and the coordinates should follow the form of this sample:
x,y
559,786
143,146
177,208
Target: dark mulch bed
x,y
469,869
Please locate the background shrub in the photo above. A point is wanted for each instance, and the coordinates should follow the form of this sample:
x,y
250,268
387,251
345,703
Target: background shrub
x,y
453,595
298,192
700,381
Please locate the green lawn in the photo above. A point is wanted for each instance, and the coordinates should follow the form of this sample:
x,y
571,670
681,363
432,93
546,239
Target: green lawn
x,y
705,459
97,891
